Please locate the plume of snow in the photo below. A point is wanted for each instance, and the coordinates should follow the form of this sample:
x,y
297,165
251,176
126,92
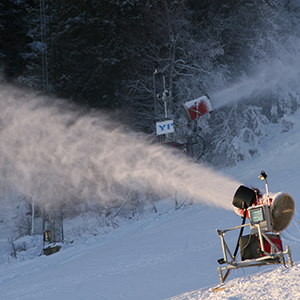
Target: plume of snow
x,y
279,73
55,153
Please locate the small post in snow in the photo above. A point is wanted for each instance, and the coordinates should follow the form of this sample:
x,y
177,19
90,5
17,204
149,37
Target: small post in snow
x,y
32,217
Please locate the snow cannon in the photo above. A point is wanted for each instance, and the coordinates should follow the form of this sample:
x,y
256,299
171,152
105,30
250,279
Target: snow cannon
x,y
281,206
268,216
196,108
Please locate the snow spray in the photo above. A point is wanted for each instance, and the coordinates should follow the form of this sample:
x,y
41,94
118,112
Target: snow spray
x,y
272,76
55,153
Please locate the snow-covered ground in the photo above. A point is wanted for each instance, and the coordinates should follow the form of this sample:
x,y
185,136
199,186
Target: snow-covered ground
x,y
171,254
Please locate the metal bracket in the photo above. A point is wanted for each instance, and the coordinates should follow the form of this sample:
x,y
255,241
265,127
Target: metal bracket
x,y
274,257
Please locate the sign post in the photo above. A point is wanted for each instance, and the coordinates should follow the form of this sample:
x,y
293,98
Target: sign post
x,y
164,127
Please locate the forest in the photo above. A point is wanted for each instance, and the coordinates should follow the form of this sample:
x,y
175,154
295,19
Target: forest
x,y
121,55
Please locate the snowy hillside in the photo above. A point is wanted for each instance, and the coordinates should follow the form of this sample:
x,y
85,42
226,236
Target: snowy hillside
x,y
172,252
277,284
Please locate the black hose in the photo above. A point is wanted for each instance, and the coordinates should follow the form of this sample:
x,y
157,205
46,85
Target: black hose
x,y
241,233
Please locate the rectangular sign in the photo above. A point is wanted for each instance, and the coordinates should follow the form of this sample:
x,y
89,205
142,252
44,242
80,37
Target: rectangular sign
x,y
164,127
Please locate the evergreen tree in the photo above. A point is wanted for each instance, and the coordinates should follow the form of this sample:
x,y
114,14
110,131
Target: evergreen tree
x,y
13,37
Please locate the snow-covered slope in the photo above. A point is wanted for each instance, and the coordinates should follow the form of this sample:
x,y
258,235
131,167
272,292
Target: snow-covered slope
x,y
278,284
172,252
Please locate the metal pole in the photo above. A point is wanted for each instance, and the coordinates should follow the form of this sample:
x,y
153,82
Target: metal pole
x,y
154,95
267,191
32,217
164,98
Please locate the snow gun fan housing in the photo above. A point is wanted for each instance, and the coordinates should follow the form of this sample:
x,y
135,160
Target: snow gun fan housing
x,y
196,108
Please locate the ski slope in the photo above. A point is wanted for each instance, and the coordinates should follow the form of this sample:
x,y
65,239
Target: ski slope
x,y
171,254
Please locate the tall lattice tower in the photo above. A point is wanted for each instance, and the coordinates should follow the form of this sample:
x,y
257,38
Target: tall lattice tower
x,y
46,50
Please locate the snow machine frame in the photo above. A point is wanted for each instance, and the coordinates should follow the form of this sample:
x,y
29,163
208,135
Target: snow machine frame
x,y
267,218
275,256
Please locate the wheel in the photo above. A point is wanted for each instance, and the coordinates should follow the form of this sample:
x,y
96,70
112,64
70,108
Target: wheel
x,y
198,147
